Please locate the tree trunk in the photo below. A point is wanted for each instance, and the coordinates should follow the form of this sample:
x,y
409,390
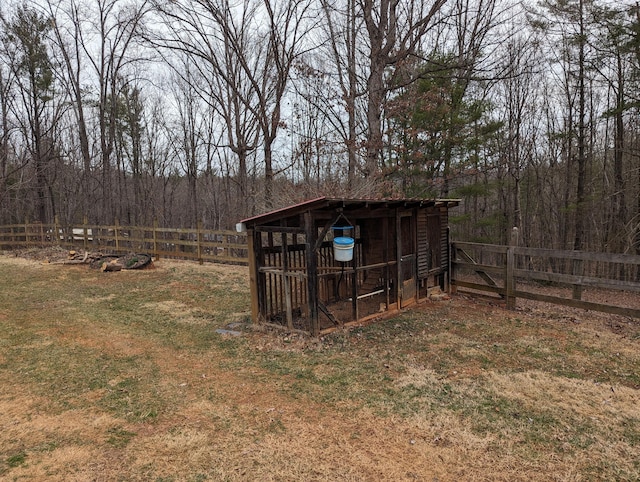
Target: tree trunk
x,y
376,90
618,199
268,176
579,241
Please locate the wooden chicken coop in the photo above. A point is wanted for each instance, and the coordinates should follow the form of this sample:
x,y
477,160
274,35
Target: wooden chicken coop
x,y
327,263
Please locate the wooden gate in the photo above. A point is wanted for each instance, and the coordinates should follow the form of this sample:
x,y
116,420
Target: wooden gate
x,y
408,262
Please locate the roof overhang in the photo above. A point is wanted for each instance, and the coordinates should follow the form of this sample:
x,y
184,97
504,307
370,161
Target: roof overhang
x,y
332,204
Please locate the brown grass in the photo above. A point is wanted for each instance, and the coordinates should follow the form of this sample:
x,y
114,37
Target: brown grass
x,y
121,376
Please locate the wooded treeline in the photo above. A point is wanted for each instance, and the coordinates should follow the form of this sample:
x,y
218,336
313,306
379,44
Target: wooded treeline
x,y
193,111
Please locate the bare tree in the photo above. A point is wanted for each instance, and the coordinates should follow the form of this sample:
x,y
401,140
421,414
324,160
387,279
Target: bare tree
x,y
68,40
344,26
395,30
518,91
31,66
216,37
187,141
567,24
117,27
6,169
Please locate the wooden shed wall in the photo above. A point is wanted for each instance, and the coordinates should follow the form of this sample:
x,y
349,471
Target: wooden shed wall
x,y
433,242
344,292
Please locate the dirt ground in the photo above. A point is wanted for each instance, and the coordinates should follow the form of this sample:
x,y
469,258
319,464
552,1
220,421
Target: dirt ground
x,y
168,399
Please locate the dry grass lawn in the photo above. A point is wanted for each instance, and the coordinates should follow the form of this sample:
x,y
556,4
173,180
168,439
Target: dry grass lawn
x,y
122,376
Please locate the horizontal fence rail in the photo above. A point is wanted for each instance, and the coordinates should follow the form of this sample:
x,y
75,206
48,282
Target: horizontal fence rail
x,y
552,276
194,244
510,272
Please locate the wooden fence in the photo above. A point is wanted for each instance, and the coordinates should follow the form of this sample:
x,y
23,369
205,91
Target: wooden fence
x,y
195,244
568,278
603,282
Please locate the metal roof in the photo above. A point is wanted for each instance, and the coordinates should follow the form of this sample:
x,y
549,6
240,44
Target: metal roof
x,y
325,203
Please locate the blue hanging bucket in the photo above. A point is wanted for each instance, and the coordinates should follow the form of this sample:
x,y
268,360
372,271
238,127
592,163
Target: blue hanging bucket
x,y
343,248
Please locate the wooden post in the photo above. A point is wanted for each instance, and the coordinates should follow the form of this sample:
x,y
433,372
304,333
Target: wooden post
x,y
253,276
155,239
226,250
199,241
453,289
259,258
577,270
510,280
445,280
286,280
26,231
85,221
56,229
355,315
400,282
385,258
312,273
117,228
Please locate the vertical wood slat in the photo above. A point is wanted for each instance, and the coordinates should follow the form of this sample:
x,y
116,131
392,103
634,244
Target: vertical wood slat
x,y
279,284
155,240
303,289
312,272
56,229
510,281
399,258
199,242
269,277
85,239
577,269
444,239
286,282
270,256
259,260
354,285
422,250
117,228
253,280
385,259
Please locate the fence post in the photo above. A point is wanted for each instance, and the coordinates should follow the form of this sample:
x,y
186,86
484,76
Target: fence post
x,y
226,250
453,288
117,228
199,241
56,230
26,231
155,239
85,239
449,273
578,270
510,279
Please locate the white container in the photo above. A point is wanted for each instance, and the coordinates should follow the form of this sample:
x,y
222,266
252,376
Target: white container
x,y
343,248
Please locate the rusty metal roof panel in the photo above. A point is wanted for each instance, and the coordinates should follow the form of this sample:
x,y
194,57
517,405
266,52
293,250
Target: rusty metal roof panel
x,y
286,211
345,203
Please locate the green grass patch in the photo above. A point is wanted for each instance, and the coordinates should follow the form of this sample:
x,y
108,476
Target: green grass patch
x,y
16,460
118,437
138,348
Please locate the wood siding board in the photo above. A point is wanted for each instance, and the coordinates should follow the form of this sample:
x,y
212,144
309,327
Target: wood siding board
x,y
423,244
444,239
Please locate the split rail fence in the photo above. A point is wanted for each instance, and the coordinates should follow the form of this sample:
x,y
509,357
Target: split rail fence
x,y
567,278
603,282
193,244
